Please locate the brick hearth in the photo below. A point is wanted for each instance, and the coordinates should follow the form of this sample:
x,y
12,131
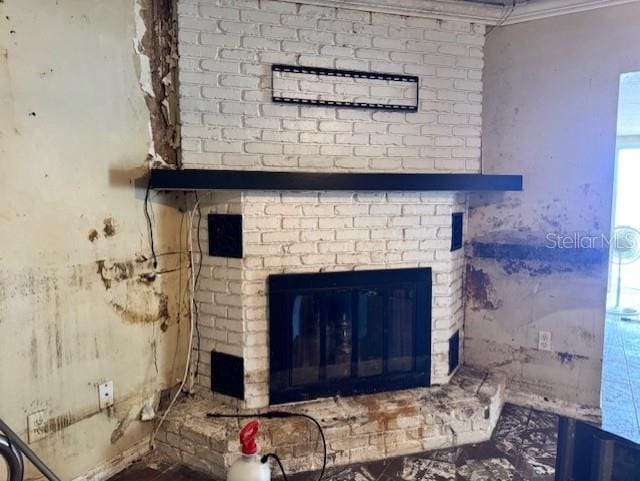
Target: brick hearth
x,y
357,428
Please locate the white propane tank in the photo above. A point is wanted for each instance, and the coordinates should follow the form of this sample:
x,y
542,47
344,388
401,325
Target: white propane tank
x,y
249,467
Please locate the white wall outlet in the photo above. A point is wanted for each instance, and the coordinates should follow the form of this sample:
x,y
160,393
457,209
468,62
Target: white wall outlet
x,y
105,390
37,426
544,340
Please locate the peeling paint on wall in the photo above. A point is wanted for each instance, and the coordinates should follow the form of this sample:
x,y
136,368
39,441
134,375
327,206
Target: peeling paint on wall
x,y
149,309
157,46
65,329
123,424
114,272
479,290
133,293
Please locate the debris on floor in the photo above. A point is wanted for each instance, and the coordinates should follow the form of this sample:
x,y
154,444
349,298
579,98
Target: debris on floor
x,y
523,448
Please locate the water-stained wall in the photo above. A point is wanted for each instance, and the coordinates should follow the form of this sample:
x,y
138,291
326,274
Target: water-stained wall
x,y
550,114
79,304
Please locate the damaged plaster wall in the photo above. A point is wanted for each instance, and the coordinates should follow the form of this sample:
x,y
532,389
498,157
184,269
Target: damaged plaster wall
x,y
157,44
79,303
551,91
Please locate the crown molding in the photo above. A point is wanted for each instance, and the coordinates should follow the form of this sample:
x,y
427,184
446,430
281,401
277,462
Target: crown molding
x,y
539,9
437,9
467,11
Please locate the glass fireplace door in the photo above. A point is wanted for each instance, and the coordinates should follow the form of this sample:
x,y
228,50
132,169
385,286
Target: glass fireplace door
x,y
348,333
320,337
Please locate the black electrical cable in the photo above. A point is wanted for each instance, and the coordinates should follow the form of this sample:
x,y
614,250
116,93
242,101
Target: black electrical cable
x,y
195,285
276,415
150,225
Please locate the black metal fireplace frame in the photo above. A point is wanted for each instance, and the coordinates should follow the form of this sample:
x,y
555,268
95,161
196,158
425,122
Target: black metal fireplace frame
x,y
282,289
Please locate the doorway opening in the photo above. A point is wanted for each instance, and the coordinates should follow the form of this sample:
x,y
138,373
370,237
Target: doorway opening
x,y
621,363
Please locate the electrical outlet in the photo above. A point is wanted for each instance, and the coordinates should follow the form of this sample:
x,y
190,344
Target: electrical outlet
x,y
37,426
105,391
544,340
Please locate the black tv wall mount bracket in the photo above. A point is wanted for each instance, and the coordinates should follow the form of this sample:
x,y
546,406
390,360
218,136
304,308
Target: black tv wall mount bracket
x,y
337,74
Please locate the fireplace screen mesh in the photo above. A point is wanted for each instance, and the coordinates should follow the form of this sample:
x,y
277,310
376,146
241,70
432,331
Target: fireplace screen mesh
x,y
348,333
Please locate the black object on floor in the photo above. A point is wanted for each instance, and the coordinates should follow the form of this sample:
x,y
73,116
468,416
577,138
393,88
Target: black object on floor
x,y
591,454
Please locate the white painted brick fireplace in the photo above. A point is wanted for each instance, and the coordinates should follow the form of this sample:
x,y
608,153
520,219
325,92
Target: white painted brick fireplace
x,y
229,122
226,51
293,232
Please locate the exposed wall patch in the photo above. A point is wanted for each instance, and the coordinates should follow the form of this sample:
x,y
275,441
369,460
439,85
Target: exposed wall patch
x,y
157,49
480,291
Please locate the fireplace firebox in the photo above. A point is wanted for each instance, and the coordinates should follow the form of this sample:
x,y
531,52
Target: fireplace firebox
x,y
346,333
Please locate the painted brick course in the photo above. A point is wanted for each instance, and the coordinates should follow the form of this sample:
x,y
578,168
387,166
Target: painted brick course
x,y
226,50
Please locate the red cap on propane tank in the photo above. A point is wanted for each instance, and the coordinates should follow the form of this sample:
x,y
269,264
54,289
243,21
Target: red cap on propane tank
x,y
248,437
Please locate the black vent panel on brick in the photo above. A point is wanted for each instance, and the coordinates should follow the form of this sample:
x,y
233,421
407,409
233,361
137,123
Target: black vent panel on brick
x,y
225,235
454,351
456,231
227,374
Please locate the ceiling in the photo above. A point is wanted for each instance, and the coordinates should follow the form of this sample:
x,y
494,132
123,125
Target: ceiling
x,y
484,12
